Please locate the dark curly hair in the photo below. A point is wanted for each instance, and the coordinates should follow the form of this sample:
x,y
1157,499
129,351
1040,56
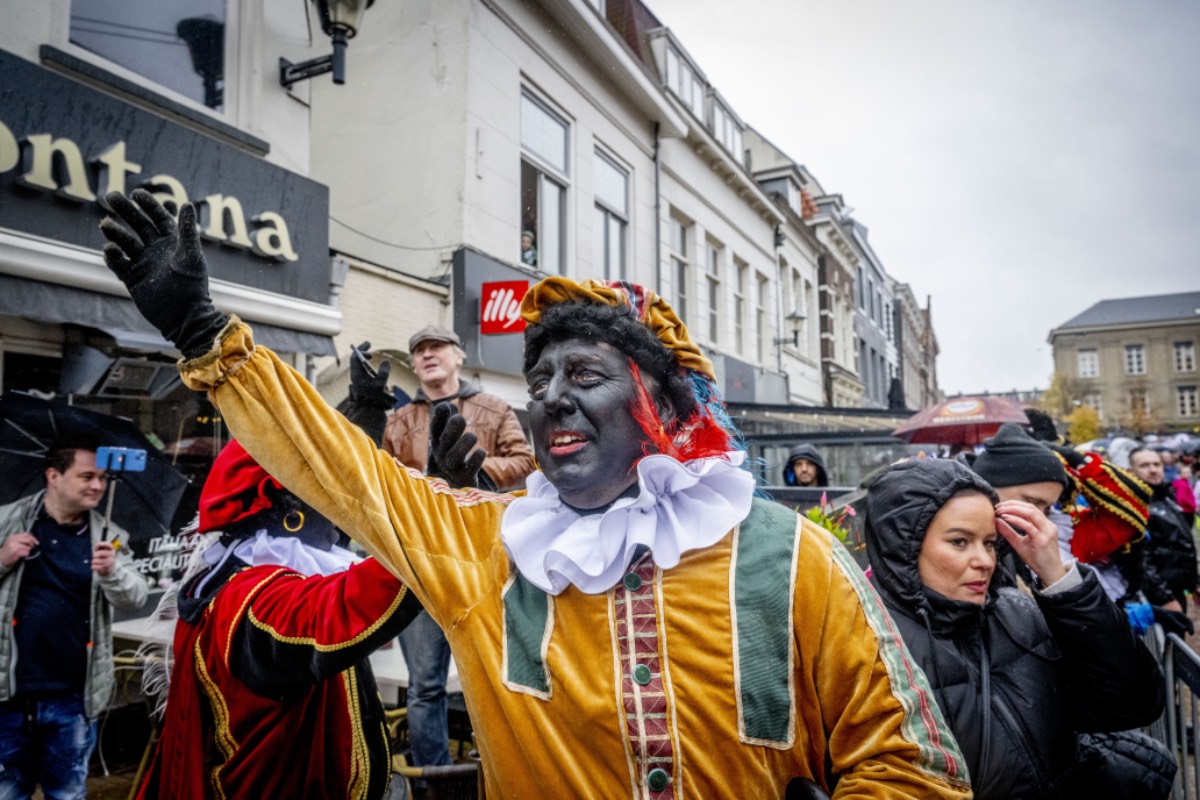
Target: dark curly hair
x,y
593,322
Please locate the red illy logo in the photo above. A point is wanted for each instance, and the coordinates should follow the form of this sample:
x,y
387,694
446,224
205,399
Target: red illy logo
x,y
500,307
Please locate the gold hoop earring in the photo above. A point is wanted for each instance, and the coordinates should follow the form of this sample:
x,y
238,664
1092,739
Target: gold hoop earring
x,y
298,525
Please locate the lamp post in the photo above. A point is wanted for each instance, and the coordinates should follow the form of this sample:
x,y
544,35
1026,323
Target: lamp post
x,y
340,21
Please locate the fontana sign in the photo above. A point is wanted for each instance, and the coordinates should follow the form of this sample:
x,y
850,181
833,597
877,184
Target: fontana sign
x,y
64,145
56,165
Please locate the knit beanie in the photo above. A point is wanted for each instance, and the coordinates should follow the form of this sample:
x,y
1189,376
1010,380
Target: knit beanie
x,y
1013,458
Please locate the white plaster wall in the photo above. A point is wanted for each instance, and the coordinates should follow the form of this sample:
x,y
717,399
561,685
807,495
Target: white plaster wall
x,y
695,190
389,142
515,45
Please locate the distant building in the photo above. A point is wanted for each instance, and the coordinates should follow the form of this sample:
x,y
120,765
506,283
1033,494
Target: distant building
x,y
1134,359
917,348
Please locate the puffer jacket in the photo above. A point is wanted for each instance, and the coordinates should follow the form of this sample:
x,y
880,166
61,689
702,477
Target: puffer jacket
x,y
509,456
1170,549
122,588
1018,676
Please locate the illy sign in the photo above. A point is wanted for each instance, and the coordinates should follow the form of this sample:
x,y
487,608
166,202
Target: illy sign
x,y
500,307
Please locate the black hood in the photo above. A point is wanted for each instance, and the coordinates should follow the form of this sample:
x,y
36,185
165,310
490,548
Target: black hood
x,y
900,505
808,453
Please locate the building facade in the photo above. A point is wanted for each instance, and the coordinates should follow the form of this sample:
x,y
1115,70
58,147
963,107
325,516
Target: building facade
x,y
917,349
336,214
1134,360
182,99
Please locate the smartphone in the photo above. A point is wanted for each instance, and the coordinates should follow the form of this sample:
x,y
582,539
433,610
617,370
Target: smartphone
x,y
121,459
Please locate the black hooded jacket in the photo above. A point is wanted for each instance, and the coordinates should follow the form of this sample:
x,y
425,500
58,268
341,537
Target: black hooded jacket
x,y
1170,548
1018,676
808,453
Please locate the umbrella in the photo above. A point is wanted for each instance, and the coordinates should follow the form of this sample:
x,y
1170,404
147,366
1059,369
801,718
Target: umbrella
x,y
961,421
146,500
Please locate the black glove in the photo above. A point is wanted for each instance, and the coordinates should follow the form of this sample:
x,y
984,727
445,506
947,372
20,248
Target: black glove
x,y
452,453
369,400
1173,621
368,387
162,265
1073,457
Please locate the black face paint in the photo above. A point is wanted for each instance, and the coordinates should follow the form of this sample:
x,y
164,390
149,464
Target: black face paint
x,y
584,434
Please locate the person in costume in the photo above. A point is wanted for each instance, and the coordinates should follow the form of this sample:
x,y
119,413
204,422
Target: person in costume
x,y
1016,676
637,623
270,691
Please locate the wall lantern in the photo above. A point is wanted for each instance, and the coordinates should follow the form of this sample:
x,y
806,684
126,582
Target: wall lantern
x,y
795,321
340,20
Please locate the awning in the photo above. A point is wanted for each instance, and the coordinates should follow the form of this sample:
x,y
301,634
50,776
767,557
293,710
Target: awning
x,y
118,317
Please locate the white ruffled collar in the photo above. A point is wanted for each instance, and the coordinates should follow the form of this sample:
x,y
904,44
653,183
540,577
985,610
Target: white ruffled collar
x,y
285,551
679,507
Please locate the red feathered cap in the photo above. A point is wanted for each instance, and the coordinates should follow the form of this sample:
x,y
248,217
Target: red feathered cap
x,y
235,489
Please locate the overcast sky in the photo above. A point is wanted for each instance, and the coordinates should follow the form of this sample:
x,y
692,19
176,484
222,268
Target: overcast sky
x,y
1017,160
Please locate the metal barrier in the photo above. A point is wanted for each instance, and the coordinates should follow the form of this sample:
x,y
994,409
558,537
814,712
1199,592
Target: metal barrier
x,y
1181,666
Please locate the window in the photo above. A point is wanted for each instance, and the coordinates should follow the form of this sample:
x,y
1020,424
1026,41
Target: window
x,y
739,305
760,317
179,45
1135,359
712,269
1138,402
677,242
544,171
1185,357
1093,400
728,132
683,82
1186,401
861,286
1089,364
612,217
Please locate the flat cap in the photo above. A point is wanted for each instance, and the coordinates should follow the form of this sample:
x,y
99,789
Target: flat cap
x,y
435,333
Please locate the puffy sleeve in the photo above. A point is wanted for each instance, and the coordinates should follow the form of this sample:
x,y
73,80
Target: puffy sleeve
x,y
1112,682
294,631
442,543
886,737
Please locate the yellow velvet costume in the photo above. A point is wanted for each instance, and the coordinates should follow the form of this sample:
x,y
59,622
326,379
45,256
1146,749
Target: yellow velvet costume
x,y
558,724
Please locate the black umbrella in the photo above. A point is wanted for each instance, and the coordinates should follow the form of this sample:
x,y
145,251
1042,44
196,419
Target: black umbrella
x,y
29,426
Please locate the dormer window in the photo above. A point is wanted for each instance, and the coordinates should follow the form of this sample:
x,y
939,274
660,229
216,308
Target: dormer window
x,y
682,80
727,131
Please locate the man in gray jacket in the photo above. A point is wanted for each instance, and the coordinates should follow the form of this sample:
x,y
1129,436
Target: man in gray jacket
x,y
58,585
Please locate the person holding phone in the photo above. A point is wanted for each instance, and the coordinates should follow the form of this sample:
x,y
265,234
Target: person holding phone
x,y
58,584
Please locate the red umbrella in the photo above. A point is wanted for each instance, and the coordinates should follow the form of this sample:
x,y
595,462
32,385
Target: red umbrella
x,y
961,421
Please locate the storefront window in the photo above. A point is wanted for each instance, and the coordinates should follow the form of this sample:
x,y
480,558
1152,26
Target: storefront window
x,y
180,45
182,424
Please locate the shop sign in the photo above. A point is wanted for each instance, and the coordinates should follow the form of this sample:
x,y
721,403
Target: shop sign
x,y
64,146
500,307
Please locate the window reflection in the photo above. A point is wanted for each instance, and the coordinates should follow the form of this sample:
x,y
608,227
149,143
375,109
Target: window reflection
x,y
179,45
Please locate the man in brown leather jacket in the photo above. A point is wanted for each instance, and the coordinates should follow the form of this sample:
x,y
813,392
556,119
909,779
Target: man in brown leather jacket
x,y
437,358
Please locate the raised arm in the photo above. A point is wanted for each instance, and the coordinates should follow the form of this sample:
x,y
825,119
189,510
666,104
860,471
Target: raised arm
x,y
434,538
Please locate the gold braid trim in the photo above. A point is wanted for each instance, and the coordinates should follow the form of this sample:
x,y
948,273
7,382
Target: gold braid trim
x,y
220,711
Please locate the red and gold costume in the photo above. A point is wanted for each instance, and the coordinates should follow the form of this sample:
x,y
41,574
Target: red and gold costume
x,y
271,694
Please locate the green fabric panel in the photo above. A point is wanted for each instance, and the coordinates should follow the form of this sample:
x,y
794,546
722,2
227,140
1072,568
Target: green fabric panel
x,y
763,598
526,615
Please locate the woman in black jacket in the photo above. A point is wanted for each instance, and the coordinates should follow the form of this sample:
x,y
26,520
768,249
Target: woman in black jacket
x,y
1017,676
